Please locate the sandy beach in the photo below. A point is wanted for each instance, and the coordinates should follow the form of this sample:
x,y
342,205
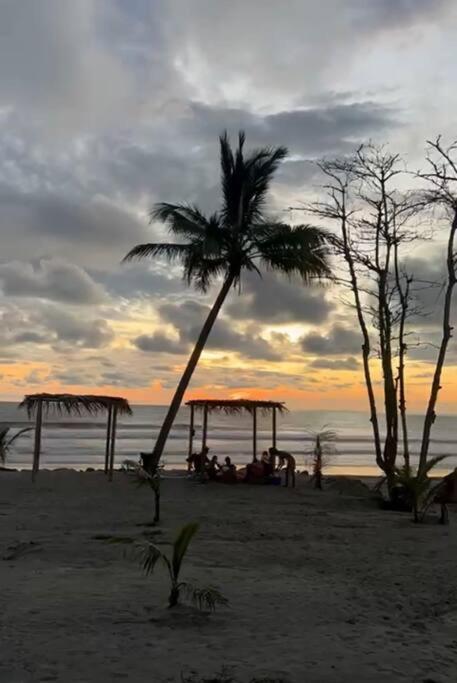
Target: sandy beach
x,y
323,587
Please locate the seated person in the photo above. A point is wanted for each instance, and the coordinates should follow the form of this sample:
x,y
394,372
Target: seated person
x,y
254,471
213,468
267,464
228,471
198,461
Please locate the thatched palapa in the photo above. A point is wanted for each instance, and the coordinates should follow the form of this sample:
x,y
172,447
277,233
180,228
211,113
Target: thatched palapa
x,y
72,404
233,407
78,405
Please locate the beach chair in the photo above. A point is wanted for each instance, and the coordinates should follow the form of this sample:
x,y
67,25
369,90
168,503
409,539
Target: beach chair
x,y
150,462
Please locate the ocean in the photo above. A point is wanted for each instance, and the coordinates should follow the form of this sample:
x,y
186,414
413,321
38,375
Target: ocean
x,y
78,442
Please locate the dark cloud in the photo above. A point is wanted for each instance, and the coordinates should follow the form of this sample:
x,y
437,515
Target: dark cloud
x,y
313,131
339,340
349,363
50,279
159,343
31,338
93,231
188,318
396,14
140,280
76,330
275,299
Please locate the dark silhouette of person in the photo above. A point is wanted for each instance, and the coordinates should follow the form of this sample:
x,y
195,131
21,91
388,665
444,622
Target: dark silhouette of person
x,y
213,468
286,460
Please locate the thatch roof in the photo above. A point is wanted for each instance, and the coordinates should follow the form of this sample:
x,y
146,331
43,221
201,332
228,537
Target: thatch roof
x,y
233,406
72,404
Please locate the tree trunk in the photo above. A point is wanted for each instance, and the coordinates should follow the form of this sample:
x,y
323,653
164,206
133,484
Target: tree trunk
x,y
366,347
430,415
191,365
156,506
404,304
173,598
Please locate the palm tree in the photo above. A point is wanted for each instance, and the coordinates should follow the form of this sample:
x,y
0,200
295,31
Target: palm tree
x,y
150,555
240,237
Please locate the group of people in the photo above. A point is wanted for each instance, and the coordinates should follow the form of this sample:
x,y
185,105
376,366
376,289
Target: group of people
x,y
265,470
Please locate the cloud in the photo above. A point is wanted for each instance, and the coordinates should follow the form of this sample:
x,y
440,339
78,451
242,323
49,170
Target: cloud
x,y
188,318
274,299
349,363
94,231
159,343
31,338
311,130
338,340
76,330
140,280
44,69
52,279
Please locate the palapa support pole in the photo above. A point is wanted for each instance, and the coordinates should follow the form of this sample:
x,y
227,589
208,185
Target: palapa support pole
x,y
113,443
108,438
205,426
273,430
254,434
191,432
37,448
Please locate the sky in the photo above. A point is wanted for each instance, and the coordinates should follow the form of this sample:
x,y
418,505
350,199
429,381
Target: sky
x,y
107,106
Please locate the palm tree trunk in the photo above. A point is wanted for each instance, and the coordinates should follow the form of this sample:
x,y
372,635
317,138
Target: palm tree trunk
x,y
191,365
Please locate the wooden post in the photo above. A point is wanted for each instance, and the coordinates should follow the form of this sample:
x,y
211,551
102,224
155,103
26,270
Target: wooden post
x,y
254,434
108,438
205,426
113,443
191,432
37,448
273,428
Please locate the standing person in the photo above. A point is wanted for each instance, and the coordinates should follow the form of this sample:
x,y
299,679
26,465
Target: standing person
x,y
285,459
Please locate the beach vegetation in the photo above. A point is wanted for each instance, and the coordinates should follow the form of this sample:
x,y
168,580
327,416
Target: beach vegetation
x,y
204,598
417,490
241,237
321,451
7,440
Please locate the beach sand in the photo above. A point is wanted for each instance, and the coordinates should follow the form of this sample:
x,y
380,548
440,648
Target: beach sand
x,y
323,587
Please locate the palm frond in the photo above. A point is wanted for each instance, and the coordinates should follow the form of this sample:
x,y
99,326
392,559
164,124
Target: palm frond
x,y
6,443
207,598
171,251
431,463
180,546
184,220
261,165
245,181
149,556
300,250
18,434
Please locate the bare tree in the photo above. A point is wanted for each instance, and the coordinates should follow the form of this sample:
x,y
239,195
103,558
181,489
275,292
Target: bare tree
x,y
375,220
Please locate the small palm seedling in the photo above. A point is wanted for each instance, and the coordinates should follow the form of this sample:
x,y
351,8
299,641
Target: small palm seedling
x,y
319,454
204,598
417,489
7,441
